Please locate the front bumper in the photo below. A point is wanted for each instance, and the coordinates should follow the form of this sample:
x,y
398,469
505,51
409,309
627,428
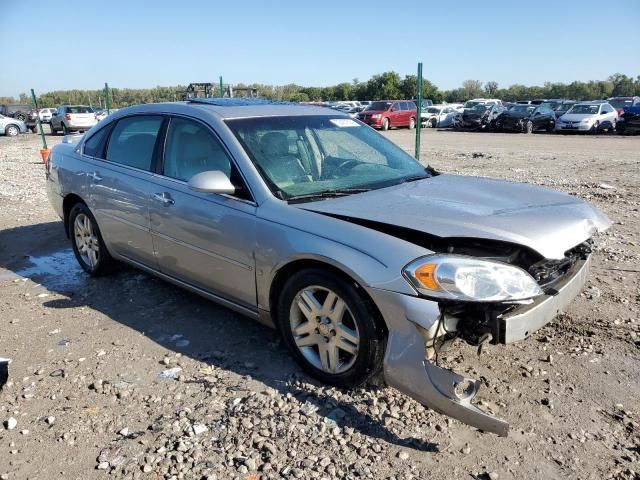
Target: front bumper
x,y
521,322
407,369
582,127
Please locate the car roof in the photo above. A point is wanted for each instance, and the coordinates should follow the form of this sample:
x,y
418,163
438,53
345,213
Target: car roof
x,y
255,107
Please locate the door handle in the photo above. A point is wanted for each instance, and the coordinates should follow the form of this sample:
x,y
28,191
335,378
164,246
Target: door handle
x,y
164,198
95,176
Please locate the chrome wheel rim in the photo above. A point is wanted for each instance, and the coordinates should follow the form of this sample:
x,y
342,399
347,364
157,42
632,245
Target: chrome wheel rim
x,y
12,131
324,329
86,241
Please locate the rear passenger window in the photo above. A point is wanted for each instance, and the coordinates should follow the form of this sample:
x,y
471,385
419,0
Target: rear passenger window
x,y
94,146
133,141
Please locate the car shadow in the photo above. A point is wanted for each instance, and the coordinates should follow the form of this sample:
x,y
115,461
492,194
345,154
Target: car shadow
x,y
175,319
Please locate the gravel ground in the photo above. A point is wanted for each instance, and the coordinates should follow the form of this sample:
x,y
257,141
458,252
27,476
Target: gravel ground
x,y
130,377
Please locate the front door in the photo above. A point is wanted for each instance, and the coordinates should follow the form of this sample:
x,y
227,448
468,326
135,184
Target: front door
x,y
206,240
120,184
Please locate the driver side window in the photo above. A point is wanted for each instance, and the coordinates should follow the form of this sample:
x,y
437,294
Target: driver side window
x,y
191,149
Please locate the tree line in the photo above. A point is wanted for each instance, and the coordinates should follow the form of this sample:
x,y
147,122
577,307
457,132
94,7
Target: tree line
x,y
387,85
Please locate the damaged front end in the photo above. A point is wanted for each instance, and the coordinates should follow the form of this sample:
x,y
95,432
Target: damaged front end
x,y
411,362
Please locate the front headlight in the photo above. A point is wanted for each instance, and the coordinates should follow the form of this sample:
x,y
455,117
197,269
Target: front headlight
x,y
470,279
377,115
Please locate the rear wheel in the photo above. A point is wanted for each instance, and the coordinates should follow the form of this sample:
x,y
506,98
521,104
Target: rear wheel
x,y
385,124
65,130
86,239
332,331
11,131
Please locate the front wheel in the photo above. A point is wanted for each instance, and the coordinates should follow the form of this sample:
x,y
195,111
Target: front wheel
x,y
385,124
528,128
330,328
11,131
88,246
596,127
412,123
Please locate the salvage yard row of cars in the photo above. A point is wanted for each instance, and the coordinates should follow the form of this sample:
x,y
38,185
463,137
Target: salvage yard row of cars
x,y
16,119
621,114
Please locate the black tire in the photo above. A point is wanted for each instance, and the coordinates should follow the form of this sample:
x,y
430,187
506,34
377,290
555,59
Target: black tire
x,y
528,128
620,129
53,130
412,123
551,127
385,124
11,131
65,130
372,336
433,123
21,116
596,127
105,262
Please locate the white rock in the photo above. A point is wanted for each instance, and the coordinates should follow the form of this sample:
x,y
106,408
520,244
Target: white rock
x,y
11,423
124,432
199,428
50,420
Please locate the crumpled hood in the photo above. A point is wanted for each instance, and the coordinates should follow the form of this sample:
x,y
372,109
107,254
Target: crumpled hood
x,y
515,115
544,220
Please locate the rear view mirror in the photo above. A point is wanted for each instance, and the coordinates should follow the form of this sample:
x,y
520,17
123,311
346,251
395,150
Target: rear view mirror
x,y
213,181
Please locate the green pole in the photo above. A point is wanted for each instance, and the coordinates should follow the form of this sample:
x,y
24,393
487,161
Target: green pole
x,y
419,119
221,87
107,103
38,122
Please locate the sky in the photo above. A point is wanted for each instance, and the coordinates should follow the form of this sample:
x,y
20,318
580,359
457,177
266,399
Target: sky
x,y
133,43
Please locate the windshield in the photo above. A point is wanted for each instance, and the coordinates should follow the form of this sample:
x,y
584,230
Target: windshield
x,y
621,102
379,105
471,104
551,104
585,109
523,109
433,110
311,155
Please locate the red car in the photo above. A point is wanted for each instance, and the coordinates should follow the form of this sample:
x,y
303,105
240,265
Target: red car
x,y
385,114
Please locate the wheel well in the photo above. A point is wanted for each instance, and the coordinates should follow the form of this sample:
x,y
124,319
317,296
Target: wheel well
x,y
291,268
67,204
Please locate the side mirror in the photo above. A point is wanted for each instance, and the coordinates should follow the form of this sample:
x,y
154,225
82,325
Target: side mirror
x,y
212,181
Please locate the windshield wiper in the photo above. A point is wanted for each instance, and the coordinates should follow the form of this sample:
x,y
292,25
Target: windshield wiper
x,y
333,193
414,178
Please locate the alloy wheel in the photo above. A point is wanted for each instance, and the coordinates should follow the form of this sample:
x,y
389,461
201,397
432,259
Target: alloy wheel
x,y
324,329
86,240
12,131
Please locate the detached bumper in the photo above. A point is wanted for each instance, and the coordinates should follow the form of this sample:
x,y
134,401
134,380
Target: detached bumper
x,y
518,324
407,370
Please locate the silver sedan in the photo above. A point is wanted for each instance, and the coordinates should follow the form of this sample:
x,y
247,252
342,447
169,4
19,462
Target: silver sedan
x,y
367,262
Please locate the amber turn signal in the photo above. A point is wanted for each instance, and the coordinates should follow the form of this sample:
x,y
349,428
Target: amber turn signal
x,y
427,276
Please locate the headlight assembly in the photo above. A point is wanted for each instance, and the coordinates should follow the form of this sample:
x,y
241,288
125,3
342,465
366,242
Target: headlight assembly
x,y
470,279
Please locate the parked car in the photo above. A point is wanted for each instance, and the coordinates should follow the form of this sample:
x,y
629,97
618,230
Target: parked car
x,y
439,116
629,122
526,118
45,114
387,114
22,112
317,225
563,107
101,113
71,118
11,127
623,103
588,117
481,101
480,116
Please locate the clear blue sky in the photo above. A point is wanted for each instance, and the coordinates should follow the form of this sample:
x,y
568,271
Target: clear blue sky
x,y
63,44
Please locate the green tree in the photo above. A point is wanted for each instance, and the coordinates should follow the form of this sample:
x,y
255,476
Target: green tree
x,y
491,88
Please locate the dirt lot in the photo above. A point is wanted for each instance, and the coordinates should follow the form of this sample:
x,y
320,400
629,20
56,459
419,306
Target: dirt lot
x,y
93,359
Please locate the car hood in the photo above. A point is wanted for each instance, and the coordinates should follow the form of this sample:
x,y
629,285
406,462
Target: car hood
x,y
514,115
574,117
544,220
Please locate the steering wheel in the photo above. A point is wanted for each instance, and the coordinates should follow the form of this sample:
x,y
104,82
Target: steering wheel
x,y
345,166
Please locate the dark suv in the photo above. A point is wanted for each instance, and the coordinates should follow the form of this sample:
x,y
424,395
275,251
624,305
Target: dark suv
x,y
26,113
385,114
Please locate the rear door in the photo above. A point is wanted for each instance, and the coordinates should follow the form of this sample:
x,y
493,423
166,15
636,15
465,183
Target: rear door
x,y
121,184
204,239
